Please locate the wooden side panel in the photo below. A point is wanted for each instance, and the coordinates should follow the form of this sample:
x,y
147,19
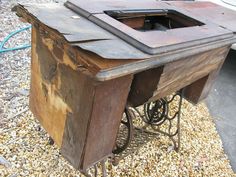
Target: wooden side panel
x,y
143,86
108,107
79,113
193,91
45,102
78,91
61,96
179,74
199,90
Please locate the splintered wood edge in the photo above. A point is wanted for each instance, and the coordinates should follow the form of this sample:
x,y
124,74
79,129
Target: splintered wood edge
x,y
85,58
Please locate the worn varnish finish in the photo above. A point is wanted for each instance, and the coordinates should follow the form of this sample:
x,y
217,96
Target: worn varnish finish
x,y
45,102
144,85
195,73
72,106
181,73
82,111
108,107
199,90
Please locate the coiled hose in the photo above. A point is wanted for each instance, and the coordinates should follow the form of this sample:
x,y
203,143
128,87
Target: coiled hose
x,y
24,46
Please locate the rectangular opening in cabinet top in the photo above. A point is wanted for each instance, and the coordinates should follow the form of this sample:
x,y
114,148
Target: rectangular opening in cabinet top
x,y
151,20
153,27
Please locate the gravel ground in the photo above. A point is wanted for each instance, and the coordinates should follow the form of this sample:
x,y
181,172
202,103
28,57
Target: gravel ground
x,y
25,149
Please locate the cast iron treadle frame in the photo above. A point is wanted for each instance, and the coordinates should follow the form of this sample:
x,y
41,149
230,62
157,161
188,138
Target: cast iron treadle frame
x,y
156,115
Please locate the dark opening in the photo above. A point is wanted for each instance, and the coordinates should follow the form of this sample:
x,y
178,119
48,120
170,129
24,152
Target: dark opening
x,y
147,20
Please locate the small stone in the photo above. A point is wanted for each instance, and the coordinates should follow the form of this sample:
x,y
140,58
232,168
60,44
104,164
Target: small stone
x,y
50,141
23,92
38,128
170,148
14,175
4,162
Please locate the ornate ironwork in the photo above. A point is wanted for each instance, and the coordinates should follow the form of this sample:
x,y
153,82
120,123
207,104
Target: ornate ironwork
x,y
155,112
159,117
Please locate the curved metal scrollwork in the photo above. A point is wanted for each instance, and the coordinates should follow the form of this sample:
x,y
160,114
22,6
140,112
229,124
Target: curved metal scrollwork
x,y
155,112
158,117
158,114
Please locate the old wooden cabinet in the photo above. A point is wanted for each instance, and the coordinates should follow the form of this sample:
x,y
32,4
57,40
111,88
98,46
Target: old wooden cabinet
x,y
89,62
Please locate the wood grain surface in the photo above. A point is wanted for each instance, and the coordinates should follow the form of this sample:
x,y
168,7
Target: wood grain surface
x,y
179,74
81,114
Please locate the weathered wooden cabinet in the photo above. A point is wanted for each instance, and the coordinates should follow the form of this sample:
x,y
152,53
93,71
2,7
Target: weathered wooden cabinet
x,y
89,62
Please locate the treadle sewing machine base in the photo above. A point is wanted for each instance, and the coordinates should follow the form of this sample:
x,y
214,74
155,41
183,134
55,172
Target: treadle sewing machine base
x,y
101,73
154,115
